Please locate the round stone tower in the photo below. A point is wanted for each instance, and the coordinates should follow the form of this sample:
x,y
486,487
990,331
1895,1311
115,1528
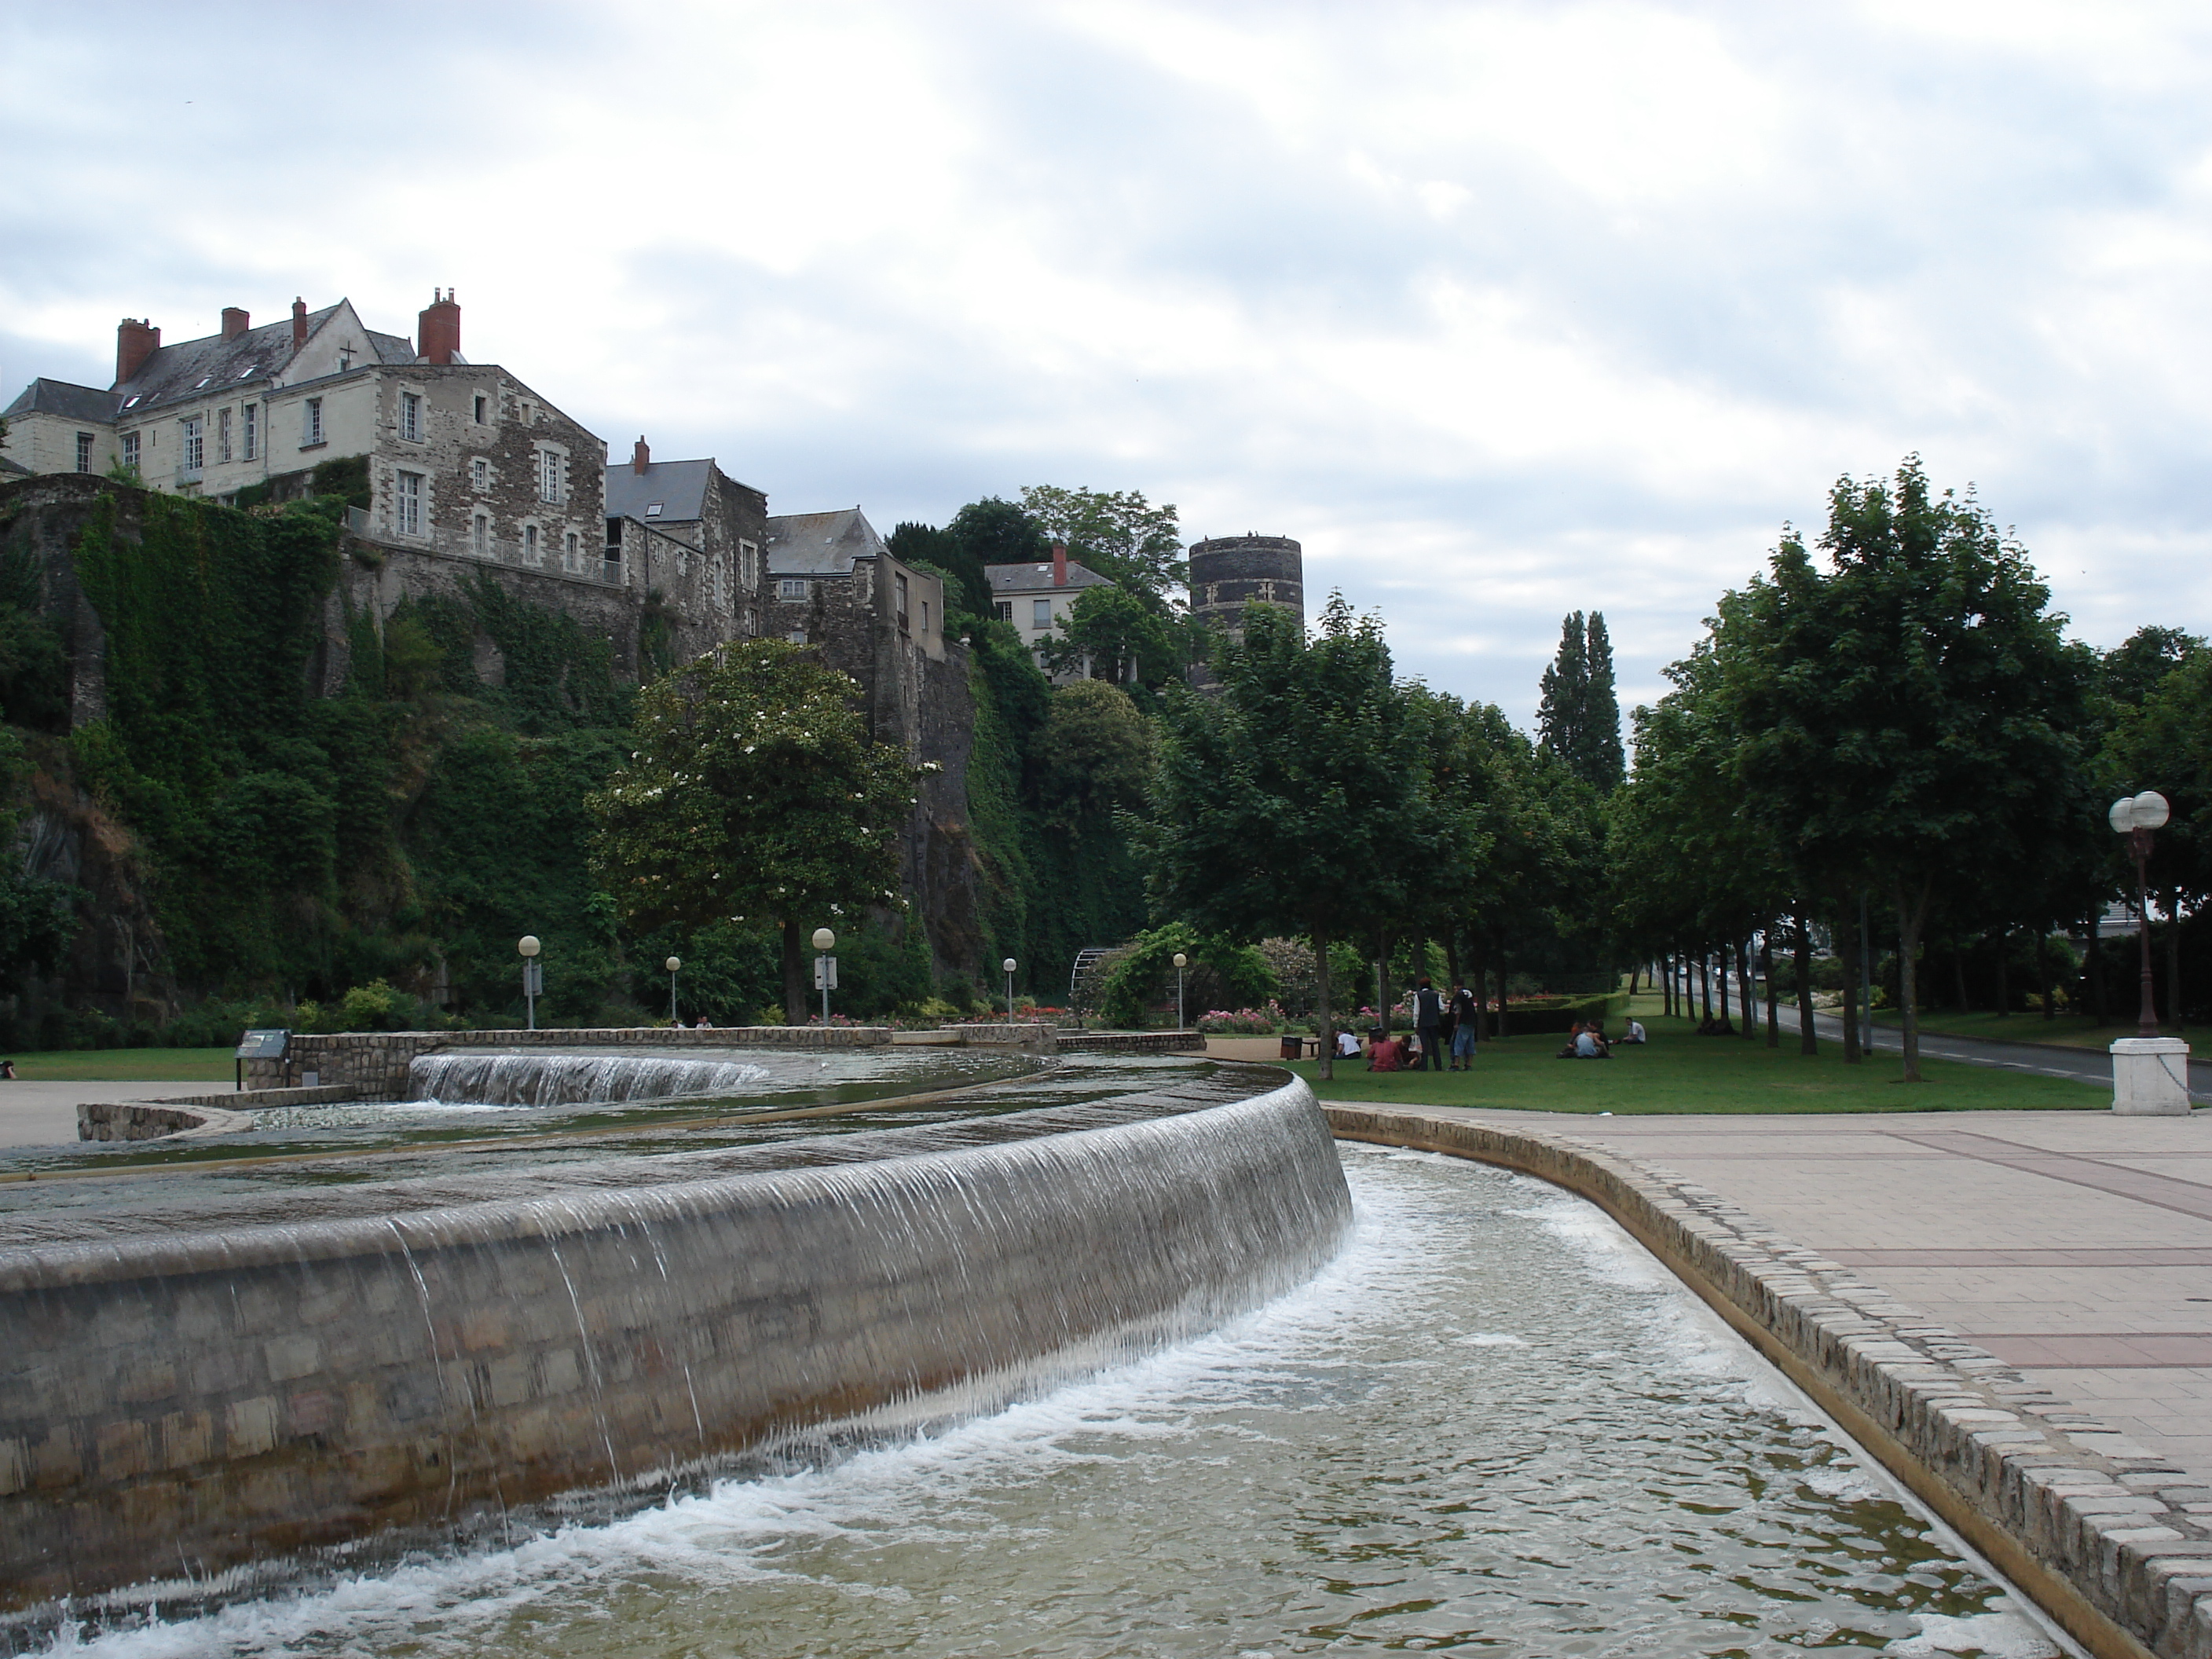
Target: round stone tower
x,y
1228,573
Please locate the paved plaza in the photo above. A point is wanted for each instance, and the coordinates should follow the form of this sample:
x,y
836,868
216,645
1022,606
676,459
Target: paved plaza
x,y
2075,1246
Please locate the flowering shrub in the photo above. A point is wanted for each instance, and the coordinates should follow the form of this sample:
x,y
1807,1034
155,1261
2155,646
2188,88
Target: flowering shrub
x,y
1244,1022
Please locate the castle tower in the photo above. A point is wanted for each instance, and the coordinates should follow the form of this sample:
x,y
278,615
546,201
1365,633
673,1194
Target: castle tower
x,y
1228,573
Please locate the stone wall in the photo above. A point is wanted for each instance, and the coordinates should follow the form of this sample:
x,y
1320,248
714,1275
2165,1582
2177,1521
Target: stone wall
x,y
373,1064
173,1404
2114,1545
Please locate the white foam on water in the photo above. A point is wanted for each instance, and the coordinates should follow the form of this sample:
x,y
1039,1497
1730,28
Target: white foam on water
x,y
1992,1634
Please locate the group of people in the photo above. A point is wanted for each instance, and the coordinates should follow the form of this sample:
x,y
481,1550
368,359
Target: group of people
x,y
1588,1041
1442,1025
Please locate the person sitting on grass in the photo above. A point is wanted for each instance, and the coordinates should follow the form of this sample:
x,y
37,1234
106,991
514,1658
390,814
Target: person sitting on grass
x,y
1592,1045
1635,1033
1385,1053
1347,1045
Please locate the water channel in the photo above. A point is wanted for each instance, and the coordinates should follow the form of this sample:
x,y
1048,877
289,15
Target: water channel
x,y
1492,1425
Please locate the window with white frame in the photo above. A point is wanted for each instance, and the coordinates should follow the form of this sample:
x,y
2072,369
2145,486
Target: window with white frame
x,y
791,587
568,551
718,580
480,473
1040,613
480,536
223,435
195,443
407,504
311,422
1006,610
84,451
748,566
797,636
530,543
410,417
250,419
131,450
549,475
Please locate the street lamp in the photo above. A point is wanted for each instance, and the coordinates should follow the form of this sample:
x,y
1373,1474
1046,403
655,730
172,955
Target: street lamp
x,y
1009,964
825,968
1182,962
2136,817
674,963
534,975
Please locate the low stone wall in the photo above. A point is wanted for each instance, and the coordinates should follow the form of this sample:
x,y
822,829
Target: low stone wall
x,y
373,1064
190,1114
1131,1043
2114,1543
177,1404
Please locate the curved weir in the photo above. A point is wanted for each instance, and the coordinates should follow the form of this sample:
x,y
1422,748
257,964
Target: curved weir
x,y
189,1393
573,1079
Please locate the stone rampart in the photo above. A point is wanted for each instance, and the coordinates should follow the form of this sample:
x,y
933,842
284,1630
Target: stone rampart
x,y
180,1404
2111,1542
373,1064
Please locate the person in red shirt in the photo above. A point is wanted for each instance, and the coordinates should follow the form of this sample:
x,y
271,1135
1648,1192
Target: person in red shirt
x,y
1385,1053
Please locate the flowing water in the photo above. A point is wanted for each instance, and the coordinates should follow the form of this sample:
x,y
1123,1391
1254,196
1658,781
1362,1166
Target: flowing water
x,y
1492,1425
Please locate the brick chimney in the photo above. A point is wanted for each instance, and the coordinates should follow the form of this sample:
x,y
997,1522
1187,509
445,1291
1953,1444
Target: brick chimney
x,y
640,458
1059,565
439,328
298,323
235,322
135,342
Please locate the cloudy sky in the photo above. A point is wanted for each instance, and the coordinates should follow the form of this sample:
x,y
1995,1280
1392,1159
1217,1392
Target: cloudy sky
x,y
1502,310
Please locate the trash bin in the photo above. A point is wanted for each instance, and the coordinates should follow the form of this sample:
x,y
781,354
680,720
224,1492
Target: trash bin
x,y
1289,1047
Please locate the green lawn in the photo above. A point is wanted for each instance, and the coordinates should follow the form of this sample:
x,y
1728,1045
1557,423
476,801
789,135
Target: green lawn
x,y
1679,1071
2070,1030
126,1066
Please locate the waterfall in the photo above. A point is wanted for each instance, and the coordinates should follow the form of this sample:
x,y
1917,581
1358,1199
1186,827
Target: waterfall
x,y
573,1079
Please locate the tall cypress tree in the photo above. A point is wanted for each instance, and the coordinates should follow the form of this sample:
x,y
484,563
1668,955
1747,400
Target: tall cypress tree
x,y
1564,712
1601,761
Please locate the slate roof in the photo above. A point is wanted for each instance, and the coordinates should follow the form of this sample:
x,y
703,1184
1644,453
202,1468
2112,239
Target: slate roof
x,y
679,487
1010,578
70,403
821,543
14,469
202,367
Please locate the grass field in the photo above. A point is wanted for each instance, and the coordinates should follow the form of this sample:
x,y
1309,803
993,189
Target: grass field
x,y
2068,1031
126,1066
1679,1071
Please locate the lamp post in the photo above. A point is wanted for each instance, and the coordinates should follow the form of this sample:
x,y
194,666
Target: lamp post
x,y
533,975
1181,961
674,964
1009,964
825,967
2136,817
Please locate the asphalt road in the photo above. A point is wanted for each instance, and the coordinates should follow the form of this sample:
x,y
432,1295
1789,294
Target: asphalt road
x,y
2085,1065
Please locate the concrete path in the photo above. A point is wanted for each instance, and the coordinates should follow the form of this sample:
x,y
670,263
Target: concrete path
x,y
2075,1246
45,1113
2084,1065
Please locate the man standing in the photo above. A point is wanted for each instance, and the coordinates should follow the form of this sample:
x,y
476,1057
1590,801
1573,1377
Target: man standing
x,y
1465,1018
1428,1021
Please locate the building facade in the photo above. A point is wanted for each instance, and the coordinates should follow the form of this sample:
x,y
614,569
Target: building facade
x,y
1037,599
685,526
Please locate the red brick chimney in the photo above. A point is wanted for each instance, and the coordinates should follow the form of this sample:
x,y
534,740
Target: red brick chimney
x,y
439,328
640,458
135,342
235,322
1059,565
298,323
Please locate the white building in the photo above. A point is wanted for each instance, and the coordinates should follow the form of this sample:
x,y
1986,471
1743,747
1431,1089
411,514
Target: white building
x,y
1037,597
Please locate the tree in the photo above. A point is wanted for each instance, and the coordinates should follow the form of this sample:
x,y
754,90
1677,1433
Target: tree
x,y
966,589
1284,803
1095,754
753,793
1122,536
995,532
1911,714
1579,716
1111,634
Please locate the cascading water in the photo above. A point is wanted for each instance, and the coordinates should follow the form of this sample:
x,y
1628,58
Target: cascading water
x,y
573,1079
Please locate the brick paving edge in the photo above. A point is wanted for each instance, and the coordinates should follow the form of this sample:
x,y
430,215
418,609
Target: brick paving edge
x,y
2113,1544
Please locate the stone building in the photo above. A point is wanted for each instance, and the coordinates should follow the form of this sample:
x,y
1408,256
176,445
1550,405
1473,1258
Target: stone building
x,y
1228,573
678,525
1037,597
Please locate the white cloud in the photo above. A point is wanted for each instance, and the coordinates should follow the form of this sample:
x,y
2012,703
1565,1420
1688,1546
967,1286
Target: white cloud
x,y
1505,310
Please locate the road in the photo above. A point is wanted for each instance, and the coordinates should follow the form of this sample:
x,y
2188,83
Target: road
x,y
2086,1065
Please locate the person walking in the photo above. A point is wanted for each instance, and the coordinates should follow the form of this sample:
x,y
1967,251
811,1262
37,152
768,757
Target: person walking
x,y
1465,1016
1428,1021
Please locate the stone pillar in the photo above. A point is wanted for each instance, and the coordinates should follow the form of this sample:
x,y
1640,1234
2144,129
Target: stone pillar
x,y
2150,1076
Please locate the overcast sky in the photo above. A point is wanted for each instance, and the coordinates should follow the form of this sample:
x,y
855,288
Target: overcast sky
x,y
1502,310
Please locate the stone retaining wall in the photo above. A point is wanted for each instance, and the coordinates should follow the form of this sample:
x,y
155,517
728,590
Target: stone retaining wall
x,y
1131,1043
373,1064
187,1115
176,1403
2114,1543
